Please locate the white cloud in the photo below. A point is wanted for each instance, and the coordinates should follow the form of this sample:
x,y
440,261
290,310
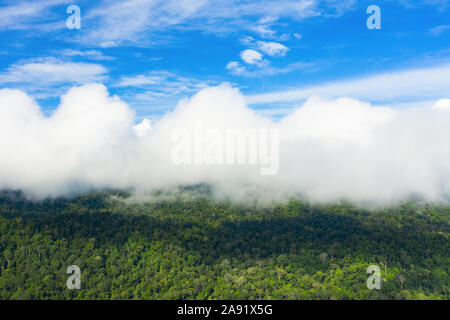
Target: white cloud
x,y
272,49
439,4
26,14
115,22
236,68
109,44
52,71
264,31
68,148
51,77
442,104
143,128
251,57
247,41
158,90
436,31
407,85
89,54
164,81
138,19
329,149
139,81
268,20
254,58
339,7
265,69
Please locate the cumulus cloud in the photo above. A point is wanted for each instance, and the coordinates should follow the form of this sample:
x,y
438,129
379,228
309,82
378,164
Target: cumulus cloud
x,y
257,66
328,149
272,49
236,68
143,128
443,104
251,57
264,31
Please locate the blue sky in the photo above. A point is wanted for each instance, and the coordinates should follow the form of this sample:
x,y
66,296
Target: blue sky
x,y
154,53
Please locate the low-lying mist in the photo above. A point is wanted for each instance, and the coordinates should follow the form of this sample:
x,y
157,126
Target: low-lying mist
x,y
329,150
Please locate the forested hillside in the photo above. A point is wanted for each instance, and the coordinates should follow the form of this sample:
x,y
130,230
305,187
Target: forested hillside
x,y
202,249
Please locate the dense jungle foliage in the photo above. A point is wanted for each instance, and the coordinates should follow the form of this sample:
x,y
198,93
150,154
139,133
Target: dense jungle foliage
x,y
203,249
